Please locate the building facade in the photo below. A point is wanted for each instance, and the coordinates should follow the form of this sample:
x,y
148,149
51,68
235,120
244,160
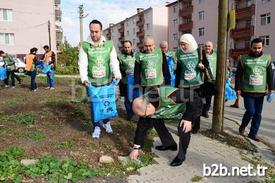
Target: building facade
x,y
31,24
149,22
200,18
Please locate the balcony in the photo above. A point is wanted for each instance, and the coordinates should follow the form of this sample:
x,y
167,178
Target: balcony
x,y
246,12
140,22
186,11
235,53
140,34
186,26
242,33
121,29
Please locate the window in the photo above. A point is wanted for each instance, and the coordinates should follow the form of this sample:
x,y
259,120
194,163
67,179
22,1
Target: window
x,y
6,39
175,37
201,15
265,1
147,26
134,41
175,23
265,19
126,24
127,33
265,40
134,30
247,43
6,15
201,31
174,9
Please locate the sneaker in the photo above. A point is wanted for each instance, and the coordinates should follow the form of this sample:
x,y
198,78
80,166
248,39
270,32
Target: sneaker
x,y
52,88
47,88
241,130
108,127
96,133
7,86
13,87
253,137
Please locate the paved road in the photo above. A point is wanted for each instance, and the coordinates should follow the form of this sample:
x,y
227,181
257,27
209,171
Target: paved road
x,y
267,128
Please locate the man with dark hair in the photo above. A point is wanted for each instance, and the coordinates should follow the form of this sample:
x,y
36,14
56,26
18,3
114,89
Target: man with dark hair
x,y
127,63
98,65
253,82
10,65
49,59
31,67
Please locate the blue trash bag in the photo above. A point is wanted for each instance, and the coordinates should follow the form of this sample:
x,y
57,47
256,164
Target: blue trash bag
x,y
270,97
171,65
40,64
3,73
230,94
131,91
103,101
46,69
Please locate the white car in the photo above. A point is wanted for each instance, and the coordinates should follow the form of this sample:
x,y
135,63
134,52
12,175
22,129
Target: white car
x,y
19,64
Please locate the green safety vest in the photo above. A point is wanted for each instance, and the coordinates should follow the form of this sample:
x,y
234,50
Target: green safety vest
x,y
212,59
190,73
127,64
151,68
254,76
8,60
99,71
168,109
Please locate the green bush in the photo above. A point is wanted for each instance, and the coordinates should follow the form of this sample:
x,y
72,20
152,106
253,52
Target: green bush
x,y
67,70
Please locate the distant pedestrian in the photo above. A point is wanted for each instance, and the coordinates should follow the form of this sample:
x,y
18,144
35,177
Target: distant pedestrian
x,y
10,65
31,67
49,59
253,82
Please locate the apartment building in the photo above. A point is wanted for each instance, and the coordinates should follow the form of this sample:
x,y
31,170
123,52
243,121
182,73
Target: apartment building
x,y
30,24
200,17
149,22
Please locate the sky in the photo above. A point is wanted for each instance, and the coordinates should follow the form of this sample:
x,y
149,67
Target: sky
x,y
106,11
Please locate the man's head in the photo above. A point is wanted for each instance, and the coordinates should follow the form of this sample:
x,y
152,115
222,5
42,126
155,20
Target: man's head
x,y
149,45
208,47
127,46
2,53
164,46
188,43
33,50
142,107
95,30
46,48
256,46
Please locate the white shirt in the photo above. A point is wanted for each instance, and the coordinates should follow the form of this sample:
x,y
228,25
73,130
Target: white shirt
x,y
83,61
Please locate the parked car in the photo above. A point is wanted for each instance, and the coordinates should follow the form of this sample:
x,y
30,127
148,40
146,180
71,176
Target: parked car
x,y
19,64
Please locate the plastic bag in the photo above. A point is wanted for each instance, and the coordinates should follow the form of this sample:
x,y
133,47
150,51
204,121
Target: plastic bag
x,y
102,101
132,92
230,93
3,73
270,97
171,66
44,67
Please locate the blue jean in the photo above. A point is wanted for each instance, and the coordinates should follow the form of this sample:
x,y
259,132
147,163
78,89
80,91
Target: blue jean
x,y
253,107
32,74
50,78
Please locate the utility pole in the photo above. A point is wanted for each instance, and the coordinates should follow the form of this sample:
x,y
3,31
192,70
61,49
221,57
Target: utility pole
x,y
49,32
218,109
81,16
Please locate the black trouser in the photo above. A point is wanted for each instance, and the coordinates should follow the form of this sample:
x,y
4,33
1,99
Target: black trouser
x,y
10,73
32,74
144,124
192,113
17,78
207,104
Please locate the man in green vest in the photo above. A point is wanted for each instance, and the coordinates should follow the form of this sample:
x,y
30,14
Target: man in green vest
x,y
171,61
209,60
98,65
253,82
151,71
10,65
126,64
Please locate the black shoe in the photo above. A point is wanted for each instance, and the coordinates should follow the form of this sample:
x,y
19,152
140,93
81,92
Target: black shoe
x,y
253,137
164,148
177,161
241,130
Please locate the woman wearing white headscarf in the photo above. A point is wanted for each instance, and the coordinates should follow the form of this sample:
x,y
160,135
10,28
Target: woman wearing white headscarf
x,y
188,76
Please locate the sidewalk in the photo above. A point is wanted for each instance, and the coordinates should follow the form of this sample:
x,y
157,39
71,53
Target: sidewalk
x,y
202,150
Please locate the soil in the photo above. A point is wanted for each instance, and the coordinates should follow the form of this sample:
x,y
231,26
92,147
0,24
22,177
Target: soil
x,y
65,125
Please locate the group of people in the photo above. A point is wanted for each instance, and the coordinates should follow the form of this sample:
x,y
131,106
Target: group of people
x,y
171,85
32,63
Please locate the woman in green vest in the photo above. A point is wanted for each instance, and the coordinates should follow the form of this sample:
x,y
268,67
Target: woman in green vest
x,y
126,65
253,82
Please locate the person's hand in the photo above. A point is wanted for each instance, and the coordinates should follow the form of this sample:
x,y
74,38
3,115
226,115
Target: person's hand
x,y
201,66
86,83
134,154
186,126
238,92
